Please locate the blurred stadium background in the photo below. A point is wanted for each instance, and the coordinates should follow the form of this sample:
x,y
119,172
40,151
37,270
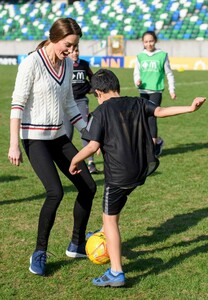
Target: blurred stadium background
x,y
111,28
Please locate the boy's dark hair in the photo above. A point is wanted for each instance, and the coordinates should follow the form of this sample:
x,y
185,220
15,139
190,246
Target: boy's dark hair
x,y
105,80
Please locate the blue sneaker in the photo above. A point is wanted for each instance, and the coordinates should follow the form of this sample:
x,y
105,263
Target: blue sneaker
x,y
76,251
108,279
90,233
38,262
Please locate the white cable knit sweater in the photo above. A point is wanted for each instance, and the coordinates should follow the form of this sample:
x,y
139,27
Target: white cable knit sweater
x,y
41,97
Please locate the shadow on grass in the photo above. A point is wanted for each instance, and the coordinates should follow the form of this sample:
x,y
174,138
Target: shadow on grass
x,y
36,197
155,173
183,148
27,199
200,238
53,267
176,225
8,178
157,265
67,189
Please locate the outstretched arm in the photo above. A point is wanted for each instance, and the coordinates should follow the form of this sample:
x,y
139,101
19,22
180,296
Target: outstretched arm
x,y
87,151
162,112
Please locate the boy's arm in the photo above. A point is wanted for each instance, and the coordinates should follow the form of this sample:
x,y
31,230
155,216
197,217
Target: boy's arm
x,y
162,112
87,151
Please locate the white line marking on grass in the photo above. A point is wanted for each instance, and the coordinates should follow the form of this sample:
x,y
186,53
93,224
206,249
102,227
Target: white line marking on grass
x,y
191,83
177,83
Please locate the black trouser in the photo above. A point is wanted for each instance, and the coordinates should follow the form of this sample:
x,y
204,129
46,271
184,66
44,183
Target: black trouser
x,y
156,98
43,154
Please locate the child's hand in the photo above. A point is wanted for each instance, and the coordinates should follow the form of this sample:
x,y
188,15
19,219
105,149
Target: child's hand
x,y
139,82
197,103
173,96
73,169
98,151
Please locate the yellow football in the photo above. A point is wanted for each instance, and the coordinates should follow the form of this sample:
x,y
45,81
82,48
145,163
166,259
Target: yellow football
x,y
96,248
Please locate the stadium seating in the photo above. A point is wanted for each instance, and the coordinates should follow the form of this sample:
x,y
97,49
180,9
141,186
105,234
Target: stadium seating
x,y
31,20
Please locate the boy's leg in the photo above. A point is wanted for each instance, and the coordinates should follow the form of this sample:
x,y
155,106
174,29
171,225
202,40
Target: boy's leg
x,y
156,98
114,200
113,239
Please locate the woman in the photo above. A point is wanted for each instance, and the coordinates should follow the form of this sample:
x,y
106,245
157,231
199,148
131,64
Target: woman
x,y
42,94
151,66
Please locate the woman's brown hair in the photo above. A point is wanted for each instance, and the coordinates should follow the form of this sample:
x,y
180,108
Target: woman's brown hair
x,y
63,27
59,30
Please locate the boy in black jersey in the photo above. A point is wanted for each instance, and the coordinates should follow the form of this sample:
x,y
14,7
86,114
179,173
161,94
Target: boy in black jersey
x,y
81,86
119,127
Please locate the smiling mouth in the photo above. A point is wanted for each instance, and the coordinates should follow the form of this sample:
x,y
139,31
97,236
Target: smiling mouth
x,y
65,54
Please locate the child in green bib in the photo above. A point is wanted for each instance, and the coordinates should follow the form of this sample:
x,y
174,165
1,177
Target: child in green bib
x,y
149,73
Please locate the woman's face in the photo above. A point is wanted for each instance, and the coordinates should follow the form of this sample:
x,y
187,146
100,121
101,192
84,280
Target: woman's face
x,y
149,42
66,45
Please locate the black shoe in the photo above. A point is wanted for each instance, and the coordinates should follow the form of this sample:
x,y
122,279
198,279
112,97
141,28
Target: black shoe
x,y
92,168
158,147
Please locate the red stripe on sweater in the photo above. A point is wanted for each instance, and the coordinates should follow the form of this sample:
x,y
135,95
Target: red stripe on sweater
x,y
17,107
39,128
75,121
49,66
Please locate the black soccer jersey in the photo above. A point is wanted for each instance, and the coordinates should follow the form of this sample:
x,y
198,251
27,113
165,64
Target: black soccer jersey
x,y
120,125
81,86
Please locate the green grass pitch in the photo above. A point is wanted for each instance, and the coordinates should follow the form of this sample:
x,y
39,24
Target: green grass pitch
x,y
163,225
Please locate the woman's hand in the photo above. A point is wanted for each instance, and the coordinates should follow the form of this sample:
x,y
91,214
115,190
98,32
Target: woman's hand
x,y
15,155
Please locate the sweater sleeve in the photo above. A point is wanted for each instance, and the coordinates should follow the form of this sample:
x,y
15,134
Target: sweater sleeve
x,y
23,84
136,72
170,76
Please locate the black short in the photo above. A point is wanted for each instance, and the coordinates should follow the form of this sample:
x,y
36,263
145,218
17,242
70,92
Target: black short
x,y
156,97
114,199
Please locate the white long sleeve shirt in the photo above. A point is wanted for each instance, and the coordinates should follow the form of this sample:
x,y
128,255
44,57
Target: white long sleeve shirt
x,y
167,68
41,97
